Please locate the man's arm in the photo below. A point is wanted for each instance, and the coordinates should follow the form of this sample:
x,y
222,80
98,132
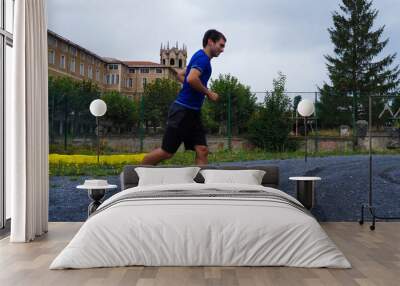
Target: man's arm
x,y
194,81
180,74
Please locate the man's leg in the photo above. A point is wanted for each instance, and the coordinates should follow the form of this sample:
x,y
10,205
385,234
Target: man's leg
x,y
201,154
156,156
171,139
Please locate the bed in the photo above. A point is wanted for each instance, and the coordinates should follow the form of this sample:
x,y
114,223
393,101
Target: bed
x,y
201,224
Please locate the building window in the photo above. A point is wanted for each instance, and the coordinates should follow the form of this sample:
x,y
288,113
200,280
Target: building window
x,y
90,72
117,79
83,56
130,82
112,79
52,41
113,67
97,75
64,47
52,57
180,63
62,62
82,69
108,79
172,62
131,70
158,70
72,65
90,59
144,82
144,70
163,62
73,50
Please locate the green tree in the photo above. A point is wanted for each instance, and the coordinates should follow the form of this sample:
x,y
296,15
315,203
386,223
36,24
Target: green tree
x,y
357,68
61,96
243,103
69,102
122,112
296,101
158,96
207,118
85,92
269,127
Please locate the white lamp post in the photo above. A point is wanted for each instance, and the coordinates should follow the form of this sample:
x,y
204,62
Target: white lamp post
x,y
305,108
98,108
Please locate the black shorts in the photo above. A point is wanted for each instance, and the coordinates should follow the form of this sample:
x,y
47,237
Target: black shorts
x,y
183,125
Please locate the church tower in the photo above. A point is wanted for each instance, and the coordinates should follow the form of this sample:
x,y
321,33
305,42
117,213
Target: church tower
x,y
174,56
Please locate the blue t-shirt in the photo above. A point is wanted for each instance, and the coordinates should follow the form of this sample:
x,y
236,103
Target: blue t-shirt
x,y
188,96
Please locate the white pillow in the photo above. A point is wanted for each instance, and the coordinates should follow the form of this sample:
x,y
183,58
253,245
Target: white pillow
x,y
163,176
248,177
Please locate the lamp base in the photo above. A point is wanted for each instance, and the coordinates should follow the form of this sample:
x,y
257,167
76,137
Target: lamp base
x,y
96,195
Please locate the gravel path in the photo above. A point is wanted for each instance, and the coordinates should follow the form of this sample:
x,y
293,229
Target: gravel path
x,y
344,187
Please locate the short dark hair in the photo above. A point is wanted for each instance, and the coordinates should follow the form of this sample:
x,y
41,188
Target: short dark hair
x,y
214,35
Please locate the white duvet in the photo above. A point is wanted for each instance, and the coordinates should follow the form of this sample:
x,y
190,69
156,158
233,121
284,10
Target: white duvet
x,y
200,231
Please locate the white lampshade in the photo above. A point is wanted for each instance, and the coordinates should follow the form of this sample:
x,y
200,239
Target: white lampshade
x,y
306,108
98,107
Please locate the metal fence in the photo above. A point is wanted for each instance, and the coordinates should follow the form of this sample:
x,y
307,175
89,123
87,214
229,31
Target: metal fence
x,y
70,129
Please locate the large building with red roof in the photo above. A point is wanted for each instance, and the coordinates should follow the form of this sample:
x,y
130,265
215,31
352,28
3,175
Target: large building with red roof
x,y
66,58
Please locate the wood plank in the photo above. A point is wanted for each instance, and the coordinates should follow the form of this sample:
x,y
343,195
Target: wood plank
x,y
374,255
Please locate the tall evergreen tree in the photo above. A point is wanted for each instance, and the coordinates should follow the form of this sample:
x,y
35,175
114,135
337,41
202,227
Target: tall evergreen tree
x,y
357,68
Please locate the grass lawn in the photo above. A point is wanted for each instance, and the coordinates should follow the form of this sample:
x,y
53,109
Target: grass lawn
x,y
78,165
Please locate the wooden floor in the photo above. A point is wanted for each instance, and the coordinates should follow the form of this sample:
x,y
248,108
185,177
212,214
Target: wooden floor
x,y
375,257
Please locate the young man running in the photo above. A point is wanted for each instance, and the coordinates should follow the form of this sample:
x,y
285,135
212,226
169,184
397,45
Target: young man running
x,y
184,116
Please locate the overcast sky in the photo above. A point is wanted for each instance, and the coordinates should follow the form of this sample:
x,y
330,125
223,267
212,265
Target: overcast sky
x,y
264,36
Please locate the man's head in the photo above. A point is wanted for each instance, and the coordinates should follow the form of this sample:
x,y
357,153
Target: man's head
x,y
214,41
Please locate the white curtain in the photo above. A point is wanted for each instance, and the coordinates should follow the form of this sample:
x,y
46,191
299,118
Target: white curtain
x,y
27,124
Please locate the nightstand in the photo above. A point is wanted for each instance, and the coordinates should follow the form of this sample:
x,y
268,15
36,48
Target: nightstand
x,y
305,187
96,191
